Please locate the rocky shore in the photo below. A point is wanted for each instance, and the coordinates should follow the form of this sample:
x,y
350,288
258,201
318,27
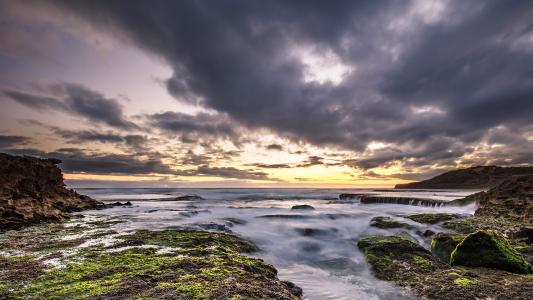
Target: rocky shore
x,y
32,191
478,178
48,253
487,256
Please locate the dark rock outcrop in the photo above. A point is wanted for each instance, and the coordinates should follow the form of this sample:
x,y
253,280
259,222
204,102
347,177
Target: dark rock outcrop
x,y
32,191
481,177
511,200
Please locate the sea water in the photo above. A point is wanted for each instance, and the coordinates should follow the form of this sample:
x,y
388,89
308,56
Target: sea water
x,y
315,249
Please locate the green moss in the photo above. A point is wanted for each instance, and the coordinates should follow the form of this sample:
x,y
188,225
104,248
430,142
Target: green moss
x,y
387,223
487,248
432,218
464,282
423,262
204,265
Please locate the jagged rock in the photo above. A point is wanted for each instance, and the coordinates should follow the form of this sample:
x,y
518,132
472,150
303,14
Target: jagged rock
x,y
487,248
480,177
349,196
443,244
32,191
304,206
387,223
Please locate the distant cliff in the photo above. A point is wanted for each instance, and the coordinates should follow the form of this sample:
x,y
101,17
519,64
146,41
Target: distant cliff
x,y
481,177
32,190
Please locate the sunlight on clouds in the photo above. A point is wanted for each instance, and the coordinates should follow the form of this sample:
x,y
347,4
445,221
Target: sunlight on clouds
x,y
322,66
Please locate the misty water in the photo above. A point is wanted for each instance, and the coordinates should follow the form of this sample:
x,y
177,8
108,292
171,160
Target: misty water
x,y
315,249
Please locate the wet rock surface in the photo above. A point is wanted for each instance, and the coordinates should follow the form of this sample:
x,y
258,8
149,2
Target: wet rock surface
x,y
401,260
32,191
487,248
388,223
428,218
39,263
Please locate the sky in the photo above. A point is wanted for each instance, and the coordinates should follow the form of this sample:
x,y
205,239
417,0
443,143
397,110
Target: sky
x,y
252,93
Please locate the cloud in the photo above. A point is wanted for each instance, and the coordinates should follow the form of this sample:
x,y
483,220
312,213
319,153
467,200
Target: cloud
x,y
430,80
76,160
192,128
225,172
274,147
9,141
78,100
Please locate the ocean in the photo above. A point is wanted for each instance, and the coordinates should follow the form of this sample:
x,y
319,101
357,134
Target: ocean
x,y
315,249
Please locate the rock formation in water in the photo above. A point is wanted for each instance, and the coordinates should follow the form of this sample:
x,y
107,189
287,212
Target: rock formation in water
x,y
481,177
32,191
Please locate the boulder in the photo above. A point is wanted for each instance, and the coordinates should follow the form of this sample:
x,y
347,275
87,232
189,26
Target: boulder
x,y
443,244
487,248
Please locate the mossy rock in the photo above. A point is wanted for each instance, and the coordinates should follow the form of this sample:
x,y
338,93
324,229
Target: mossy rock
x,y
388,223
396,257
487,248
433,218
170,264
443,244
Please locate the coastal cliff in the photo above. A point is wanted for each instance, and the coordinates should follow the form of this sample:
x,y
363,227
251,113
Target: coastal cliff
x,y
480,177
32,191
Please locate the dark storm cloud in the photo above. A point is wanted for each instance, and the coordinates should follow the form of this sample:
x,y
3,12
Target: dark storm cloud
x,y
76,160
419,75
9,141
78,100
225,172
194,127
309,162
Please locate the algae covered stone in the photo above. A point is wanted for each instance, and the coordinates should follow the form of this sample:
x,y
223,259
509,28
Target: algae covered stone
x,y
487,248
443,244
387,223
396,257
433,218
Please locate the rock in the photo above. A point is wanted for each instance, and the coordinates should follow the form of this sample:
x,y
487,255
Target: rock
x,y
481,177
32,191
185,198
387,223
443,244
409,265
304,206
487,248
371,199
395,257
433,218
128,203
349,196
